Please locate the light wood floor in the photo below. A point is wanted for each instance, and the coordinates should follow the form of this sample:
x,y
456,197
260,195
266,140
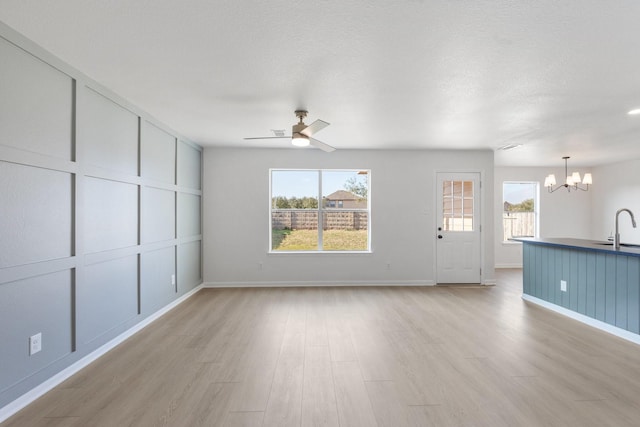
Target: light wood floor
x,y
438,356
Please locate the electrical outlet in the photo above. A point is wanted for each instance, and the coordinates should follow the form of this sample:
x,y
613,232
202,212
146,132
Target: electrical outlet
x,y
173,279
563,285
35,343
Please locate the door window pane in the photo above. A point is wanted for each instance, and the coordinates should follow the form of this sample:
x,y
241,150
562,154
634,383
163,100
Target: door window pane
x,y
468,189
457,205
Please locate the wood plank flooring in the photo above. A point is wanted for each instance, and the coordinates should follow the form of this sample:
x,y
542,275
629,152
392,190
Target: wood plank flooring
x,y
376,356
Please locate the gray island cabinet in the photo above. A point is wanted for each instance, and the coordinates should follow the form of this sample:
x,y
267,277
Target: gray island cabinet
x,y
586,280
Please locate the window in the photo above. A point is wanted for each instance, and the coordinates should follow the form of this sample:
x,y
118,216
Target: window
x,y
303,199
520,209
457,205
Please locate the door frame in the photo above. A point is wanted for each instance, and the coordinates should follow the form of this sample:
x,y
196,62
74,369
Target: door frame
x,y
481,217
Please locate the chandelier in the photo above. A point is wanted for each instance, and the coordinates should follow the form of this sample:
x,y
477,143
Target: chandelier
x,y
573,180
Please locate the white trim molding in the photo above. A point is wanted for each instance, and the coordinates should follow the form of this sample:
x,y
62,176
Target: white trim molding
x,y
13,407
298,284
614,330
513,265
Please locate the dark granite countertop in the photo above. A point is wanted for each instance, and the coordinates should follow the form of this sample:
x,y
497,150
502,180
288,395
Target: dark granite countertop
x,y
589,245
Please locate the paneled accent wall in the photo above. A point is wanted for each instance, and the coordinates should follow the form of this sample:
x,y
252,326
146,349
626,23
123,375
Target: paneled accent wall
x,y
603,286
100,215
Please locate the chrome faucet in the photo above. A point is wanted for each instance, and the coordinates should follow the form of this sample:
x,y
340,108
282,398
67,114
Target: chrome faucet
x,y
633,222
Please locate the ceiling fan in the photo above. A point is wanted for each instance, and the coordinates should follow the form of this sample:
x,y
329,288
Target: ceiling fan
x,y
301,133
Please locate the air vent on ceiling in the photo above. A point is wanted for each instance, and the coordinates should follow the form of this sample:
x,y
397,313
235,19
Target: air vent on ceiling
x,y
509,147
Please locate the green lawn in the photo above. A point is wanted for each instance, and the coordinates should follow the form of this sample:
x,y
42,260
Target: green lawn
x,y
307,240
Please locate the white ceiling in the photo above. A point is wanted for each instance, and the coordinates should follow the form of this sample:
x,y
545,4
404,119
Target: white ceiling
x,y
556,76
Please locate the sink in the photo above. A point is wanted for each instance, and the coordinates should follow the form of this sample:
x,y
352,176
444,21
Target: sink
x,y
626,245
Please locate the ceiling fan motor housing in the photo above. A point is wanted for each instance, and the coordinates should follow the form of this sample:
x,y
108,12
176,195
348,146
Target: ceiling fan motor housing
x,y
298,127
295,131
301,114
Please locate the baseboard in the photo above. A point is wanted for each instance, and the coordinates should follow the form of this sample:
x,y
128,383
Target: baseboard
x,y
297,284
488,282
516,265
33,394
614,330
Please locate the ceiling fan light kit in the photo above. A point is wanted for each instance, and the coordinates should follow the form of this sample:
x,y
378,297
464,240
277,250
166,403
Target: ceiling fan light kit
x,y
300,140
301,133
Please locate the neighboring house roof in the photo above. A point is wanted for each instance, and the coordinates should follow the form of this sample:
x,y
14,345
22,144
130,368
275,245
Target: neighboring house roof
x,y
343,195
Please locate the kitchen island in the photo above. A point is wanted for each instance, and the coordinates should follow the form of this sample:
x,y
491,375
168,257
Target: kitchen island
x,y
587,280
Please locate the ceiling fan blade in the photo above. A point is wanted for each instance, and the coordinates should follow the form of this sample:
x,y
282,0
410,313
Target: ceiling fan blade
x,y
321,145
314,127
269,137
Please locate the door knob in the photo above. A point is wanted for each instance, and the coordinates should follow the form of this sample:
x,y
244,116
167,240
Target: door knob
x,y
439,236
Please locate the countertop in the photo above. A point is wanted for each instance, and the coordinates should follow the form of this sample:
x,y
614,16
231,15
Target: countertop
x,y
589,245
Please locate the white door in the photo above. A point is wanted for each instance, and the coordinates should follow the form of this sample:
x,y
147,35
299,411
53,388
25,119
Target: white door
x,y
458,228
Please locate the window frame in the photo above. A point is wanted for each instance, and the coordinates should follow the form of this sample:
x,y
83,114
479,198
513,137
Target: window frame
x,y
536,210
449,216
320,210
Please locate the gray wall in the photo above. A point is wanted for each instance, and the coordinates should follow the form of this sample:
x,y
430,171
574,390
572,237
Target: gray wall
x,y
561,214
100,206
403,217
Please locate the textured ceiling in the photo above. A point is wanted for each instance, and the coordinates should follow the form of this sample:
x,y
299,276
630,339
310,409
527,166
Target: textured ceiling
x,y
555,76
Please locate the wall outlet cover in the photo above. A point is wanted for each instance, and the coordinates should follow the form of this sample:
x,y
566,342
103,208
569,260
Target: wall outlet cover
x,y
35,343
563,285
